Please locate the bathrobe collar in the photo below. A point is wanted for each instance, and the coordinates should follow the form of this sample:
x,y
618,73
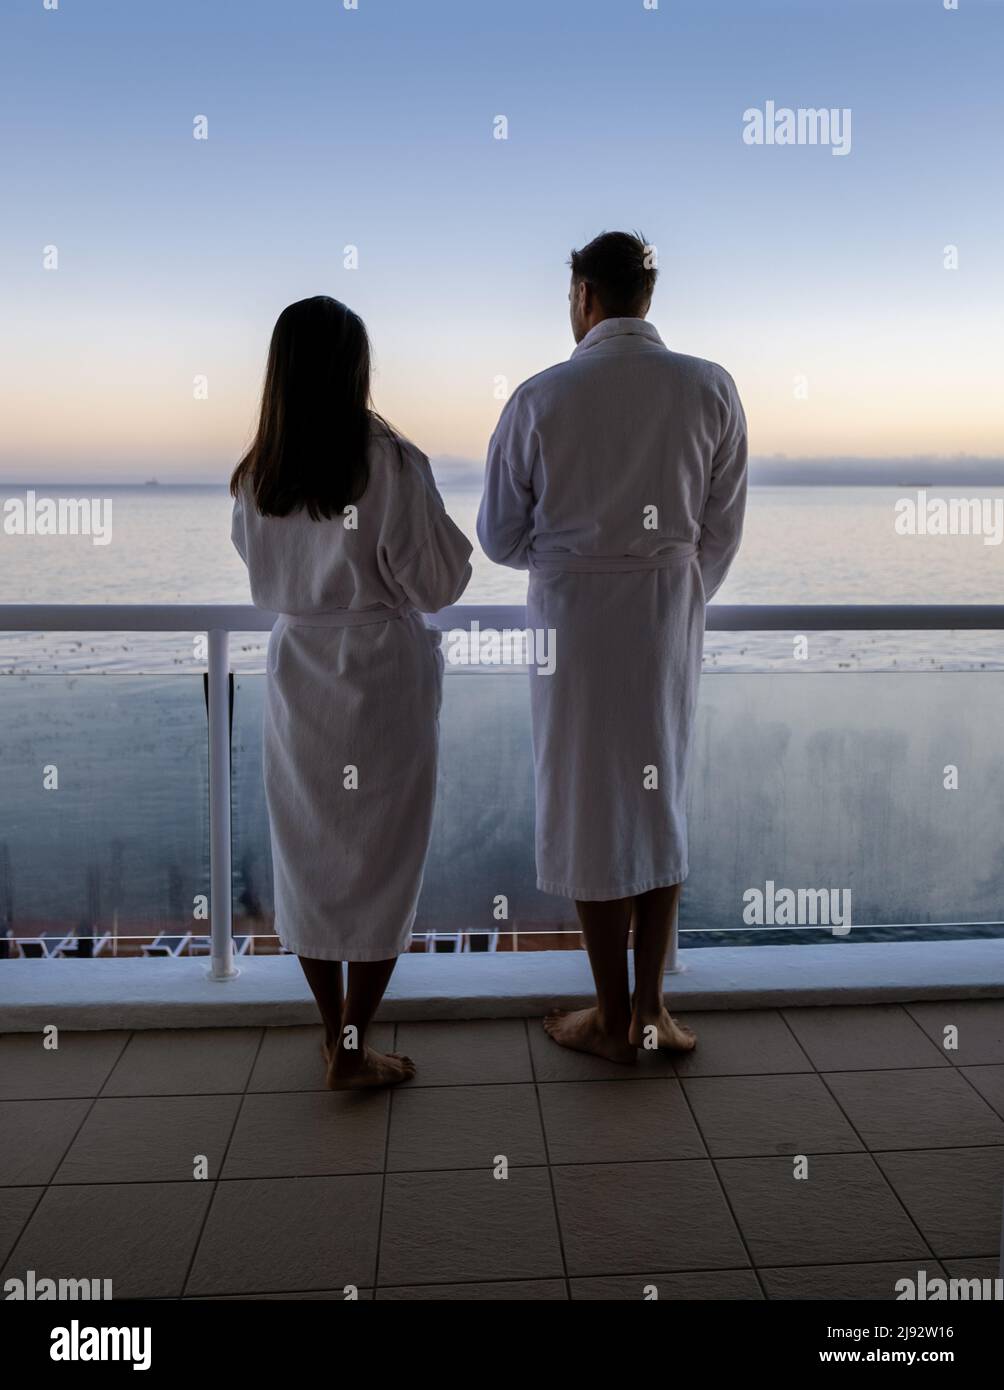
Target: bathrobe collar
x,y
614,328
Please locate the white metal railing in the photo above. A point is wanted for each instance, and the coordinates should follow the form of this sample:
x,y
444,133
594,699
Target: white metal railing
x,y
219,620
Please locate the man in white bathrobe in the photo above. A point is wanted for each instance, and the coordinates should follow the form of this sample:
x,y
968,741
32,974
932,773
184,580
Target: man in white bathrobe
x,y
618,478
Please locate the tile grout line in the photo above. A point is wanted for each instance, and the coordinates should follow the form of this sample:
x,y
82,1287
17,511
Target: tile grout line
x,y
581,1163
875,1165
216,1182
547,1162
542,1081
49,1182
87,1114
938,1260
878,1167
42,1190
383,1172
976,1091
823,1073
735,1220
784,1010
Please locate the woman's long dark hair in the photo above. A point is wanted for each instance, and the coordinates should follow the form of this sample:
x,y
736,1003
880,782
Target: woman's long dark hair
x,y
311,445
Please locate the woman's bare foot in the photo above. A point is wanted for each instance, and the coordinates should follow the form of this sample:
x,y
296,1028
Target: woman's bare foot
x,y
670,1035
356,1068
582,1031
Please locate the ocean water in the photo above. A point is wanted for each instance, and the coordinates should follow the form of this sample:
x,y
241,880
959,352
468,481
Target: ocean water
x,y
170,544
845,771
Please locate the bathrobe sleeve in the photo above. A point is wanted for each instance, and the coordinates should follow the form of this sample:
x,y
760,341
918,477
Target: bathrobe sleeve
x,y
426,552
722,522
237,533
505,517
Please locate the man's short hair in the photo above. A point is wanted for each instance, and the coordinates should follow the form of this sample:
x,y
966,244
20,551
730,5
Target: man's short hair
x,y
620,268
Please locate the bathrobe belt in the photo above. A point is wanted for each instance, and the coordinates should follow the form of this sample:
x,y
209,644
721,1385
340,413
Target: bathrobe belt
x,y
610,564
347,617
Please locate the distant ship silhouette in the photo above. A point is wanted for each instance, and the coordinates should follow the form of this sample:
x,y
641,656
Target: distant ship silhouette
x,y
151,482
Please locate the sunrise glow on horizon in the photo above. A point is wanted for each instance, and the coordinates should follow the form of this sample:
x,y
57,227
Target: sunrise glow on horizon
x,y
825,285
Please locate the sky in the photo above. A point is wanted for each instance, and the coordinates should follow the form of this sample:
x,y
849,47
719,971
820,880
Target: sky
x,y
817,279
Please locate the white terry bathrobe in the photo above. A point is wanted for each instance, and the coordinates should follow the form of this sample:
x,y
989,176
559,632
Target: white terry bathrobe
x,y
618,478
351,722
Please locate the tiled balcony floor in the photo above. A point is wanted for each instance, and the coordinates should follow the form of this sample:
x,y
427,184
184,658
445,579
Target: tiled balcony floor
x,y
678,1174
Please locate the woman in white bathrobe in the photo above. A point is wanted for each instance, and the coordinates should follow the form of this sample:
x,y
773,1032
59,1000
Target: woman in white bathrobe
x,y
618,479
346,538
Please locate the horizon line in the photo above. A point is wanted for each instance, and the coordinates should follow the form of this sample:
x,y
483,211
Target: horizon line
x,y
854,470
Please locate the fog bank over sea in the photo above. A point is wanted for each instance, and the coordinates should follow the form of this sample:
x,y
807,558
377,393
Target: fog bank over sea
x,y
960,471
778,470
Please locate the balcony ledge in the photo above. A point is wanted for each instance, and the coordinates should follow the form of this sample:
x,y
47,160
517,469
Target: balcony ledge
x,y
270,990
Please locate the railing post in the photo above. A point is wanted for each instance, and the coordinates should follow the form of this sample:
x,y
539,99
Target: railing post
x,y
220,911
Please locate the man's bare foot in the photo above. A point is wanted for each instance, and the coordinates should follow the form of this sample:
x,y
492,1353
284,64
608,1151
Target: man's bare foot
x,y
668,1034
355,1069
582,1031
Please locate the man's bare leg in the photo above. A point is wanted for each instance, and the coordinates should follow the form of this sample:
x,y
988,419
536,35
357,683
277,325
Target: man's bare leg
x,y
353,1064
651,1025
602,1030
